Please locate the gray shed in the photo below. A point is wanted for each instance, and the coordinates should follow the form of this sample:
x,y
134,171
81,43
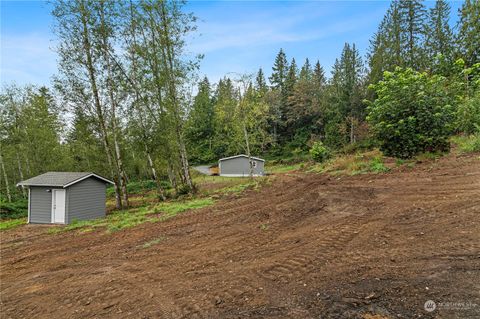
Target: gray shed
x,y
239,166
62,197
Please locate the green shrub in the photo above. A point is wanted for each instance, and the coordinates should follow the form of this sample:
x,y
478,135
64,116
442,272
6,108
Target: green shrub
x,y
467,115
14,209
376,165
319,152
412,114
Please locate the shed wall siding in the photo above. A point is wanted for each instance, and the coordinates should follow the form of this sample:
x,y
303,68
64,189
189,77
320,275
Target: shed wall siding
x,y
86,200
40,205
240,166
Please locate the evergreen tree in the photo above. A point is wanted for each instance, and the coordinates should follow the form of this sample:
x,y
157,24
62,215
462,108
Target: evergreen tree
x,y
346,108
226,100
291,79
260,83
413,14
306,71
279,71
200,127
439,36
468,36
319,78
385,52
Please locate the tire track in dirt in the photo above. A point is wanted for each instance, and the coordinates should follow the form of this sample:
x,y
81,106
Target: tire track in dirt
x,y
269,253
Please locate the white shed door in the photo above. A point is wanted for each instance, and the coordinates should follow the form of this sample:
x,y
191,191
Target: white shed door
x,y
58,206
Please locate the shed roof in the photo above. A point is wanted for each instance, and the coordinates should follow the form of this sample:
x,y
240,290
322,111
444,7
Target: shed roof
x,y
242,155
60,179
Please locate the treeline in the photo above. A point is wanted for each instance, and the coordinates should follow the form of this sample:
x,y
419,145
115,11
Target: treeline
x,y
122,103
300,105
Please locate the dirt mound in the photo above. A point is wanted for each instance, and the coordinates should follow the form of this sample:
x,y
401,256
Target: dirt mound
x,y
308,246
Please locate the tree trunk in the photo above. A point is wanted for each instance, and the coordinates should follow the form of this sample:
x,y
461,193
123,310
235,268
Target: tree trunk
x,y
245,133
172,177
168,55
20,171
5,178
98,107
351,131
113,105
160,192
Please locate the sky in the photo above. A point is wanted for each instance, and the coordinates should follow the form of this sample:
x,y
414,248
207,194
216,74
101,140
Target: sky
x,y
234,36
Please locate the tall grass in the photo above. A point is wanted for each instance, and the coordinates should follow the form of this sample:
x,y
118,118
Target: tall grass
x,y
467,144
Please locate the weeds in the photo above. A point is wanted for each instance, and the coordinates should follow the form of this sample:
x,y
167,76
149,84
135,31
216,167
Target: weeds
x,y
467,144
11,223
284,168
134,216
173,208
376,166
360,163
264,226
150,243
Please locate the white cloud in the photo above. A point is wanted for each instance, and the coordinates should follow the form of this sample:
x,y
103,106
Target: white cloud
x,y
26,59
281,26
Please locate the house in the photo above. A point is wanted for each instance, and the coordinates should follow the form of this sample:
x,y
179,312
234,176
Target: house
x,y
240,165
62,197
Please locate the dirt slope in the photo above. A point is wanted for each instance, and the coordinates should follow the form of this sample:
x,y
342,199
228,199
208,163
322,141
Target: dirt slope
x,y
308,246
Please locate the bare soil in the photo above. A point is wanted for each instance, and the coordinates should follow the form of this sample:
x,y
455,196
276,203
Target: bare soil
x,y
307,246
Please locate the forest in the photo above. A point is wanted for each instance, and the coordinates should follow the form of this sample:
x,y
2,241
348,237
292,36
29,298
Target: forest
x,y
128,104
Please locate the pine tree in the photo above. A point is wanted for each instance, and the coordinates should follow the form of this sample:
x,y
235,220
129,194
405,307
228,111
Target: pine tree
x,y
468,36
413,13
306,71
385,51
319,78
287,110
226,100
260,83
200,127
279,71
290,79
439,38
346,95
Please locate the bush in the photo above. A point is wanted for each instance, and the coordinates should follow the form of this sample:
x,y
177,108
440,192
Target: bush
x,y
14,209
319,152
467,116
412,113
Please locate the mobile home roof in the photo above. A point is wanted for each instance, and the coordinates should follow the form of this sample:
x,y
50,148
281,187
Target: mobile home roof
x,y
242,155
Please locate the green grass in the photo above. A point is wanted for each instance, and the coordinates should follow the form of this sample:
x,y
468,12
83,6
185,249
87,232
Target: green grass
x,y
11,223
467,144
135,216
173,208
236,188
353,164
284,168
428,156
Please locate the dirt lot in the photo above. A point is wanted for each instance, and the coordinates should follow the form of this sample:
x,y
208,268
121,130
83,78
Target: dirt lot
x,y
308,246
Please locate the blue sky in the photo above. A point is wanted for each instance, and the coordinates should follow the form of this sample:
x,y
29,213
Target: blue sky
x,y
234,36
